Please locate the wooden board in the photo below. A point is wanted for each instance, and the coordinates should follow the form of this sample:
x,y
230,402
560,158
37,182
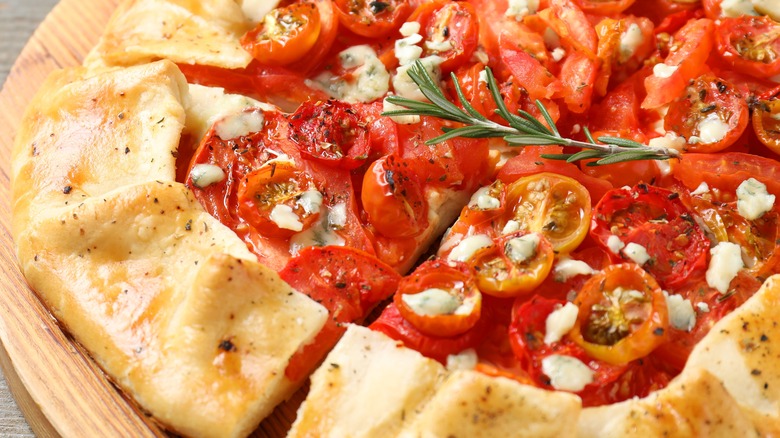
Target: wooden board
x,y
58,387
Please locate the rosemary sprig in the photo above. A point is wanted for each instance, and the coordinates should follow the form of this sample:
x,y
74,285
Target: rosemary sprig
x,y
523,130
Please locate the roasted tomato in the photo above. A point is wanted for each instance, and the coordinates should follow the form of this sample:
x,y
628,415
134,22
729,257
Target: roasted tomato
x,y
622,315
393,198
348,282
278,200
372,19
711,114
450,30
651,226
285,35
686,60
766,123
623,46
330,132
516,264
750,44
486,204
440,299
554,205
725,172
604,7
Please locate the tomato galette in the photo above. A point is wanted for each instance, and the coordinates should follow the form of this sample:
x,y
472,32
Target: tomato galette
x,y
465,218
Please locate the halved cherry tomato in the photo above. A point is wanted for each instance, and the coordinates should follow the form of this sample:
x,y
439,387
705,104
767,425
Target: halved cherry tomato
x,y
711,114
750,44
285,35
657,10
578,75
450,30
620,59
686,60
766,123
604,7
393,198
516,264
440,298
348,282
726,171
556,287
372,18
622,315
328,32
656,220
269,199
554,205
572,25
523,53
486,204
330,132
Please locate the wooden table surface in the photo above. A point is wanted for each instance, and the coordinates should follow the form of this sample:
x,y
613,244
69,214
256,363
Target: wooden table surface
x,y
18,20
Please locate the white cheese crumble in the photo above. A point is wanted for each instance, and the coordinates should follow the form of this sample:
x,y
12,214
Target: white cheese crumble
x,y
483,76
310,201
637,253
321,234
439,46
753,200
520,249
401,120
239,124
431,302
681,314
615,244
406,50
518,9
404,85
567,268
703,307
482,200
284,217
701,189
670,140
204,175
567,373
711,130
511,227
664,71
409,28
370,79
465,360
560,322
557,54
468,246
768,7
337,217
736,8
725,263
630,40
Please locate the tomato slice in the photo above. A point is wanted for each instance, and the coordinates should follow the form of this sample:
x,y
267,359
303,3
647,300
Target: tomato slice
x,y
285,35
623,46
372,19
686,60
393,199
766,123
726,171
523,52
711,114
622,315
556,206
604,7
572,25
348,282
516,264
330,132
274,200
450,31
750,44
666,239
440,299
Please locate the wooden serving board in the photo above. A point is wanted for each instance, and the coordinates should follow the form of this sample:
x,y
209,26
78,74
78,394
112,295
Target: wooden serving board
x,y
60,390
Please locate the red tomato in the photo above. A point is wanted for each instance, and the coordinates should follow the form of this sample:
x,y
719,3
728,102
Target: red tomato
x,y
674,21
331,133
620,109
555,287
622,315
515,264
727,171
657,10
372,19
627,173
712,111
692,45
348,282
440,299
750,44
475,90
391,323
450,30
572,25
285,35
529,161
328,31
604,7
393,198
522,52
619,61
578,74
766,123
657,220
487,204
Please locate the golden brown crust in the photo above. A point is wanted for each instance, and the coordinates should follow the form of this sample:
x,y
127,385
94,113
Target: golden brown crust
x,y
183,31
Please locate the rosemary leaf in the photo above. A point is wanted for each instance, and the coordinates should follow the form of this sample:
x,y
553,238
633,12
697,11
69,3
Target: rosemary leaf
x,y
531,140
584,155
626,143
466,131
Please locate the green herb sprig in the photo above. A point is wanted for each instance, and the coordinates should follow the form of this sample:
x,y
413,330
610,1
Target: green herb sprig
x,y
523,130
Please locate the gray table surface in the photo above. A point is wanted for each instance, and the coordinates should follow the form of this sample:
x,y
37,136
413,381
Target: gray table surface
x,y
18,20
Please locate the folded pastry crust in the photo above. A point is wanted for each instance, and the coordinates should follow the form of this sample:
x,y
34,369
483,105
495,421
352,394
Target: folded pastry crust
x,y
169,301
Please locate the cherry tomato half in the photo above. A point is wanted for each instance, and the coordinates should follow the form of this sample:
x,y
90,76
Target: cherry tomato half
x,y
622,315
270,199
393,199
750,44
658,222
604,7
766,123
440,299
486,204
450,31
556,206
711,114
330,132
371,18
516,264
285,35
